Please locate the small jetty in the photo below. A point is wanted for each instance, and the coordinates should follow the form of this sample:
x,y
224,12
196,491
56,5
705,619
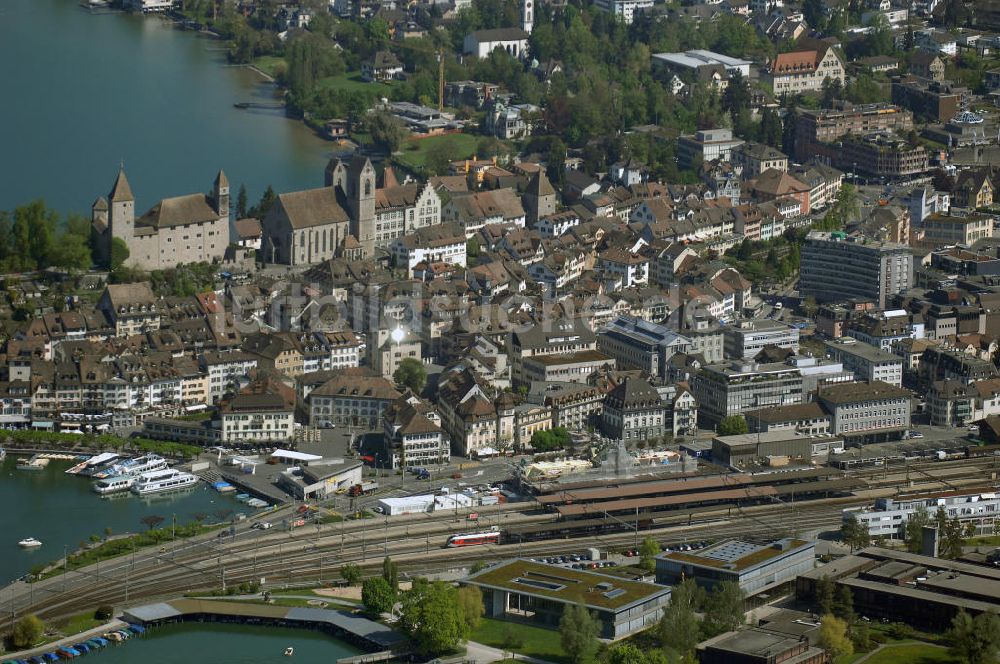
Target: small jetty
x,y
91,463
259,104
35,462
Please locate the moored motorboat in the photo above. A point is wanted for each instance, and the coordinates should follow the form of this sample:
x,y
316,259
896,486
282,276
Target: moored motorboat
x,y
114,484
29,543
162,480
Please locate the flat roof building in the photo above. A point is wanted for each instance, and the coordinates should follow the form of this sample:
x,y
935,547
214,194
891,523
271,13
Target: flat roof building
x,y
755,448
745,340
866,361
755,567
731,389
922,591
836,267
693,60
525,590
706,145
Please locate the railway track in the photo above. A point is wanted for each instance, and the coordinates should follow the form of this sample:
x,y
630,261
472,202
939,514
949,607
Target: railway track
x,y
416,544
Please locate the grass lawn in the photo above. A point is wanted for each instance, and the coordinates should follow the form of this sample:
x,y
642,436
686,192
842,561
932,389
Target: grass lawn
x,y
913,653
351,81
983,541
535,641
78,623
268,64
414,152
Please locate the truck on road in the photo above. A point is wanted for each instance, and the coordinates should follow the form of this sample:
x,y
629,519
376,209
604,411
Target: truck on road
x,y
363,489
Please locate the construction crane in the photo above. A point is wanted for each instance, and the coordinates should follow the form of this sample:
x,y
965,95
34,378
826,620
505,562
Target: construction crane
x,y
439,53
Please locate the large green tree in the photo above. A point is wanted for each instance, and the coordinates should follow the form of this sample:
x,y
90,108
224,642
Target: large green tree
x,y
470,599
679,629
853,533
647,554
578,632
833,637
386,130
411,374
433,617
27,631
724,608
975,640
914,530
377,596
732,425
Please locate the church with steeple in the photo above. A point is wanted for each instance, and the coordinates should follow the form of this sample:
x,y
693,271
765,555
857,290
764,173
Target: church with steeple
x,y
350,216
183,229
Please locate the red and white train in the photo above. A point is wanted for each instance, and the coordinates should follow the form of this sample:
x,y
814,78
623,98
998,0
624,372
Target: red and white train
x,y
471,539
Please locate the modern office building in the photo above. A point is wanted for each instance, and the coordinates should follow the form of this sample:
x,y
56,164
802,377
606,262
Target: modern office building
x,y
837,267
755,567
888,517
523,590
731,389
866,361
748,337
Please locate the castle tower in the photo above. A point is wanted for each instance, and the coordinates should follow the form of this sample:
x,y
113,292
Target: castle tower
x,y
220,194
539,198
121,209
360,196
527,15
99,212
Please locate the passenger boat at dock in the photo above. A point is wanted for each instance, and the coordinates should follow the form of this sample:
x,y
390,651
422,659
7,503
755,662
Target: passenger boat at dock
x,y
137,466
162,480
115,484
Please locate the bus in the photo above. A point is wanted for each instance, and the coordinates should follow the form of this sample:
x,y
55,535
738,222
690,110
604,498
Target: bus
x,y
471,539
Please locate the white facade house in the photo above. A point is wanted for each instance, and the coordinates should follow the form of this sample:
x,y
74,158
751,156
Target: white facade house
x,y
623,9
257,417
889,516
556,224
436,244
513,41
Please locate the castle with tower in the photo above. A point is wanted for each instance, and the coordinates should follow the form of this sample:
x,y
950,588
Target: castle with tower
x,y
183,229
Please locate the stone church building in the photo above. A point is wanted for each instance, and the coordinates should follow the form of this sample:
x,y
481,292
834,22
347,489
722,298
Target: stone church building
x,y
183,229
349,216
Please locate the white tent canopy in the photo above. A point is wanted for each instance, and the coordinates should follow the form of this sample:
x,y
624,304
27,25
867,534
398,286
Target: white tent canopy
x,y
294,456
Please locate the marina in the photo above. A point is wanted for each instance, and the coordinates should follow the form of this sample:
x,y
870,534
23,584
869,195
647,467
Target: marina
x,y
366,635
84,514
216,642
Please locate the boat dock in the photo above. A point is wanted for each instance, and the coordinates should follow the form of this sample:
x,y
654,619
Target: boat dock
x,y
90,462
355,629
69,641
255,485
35,462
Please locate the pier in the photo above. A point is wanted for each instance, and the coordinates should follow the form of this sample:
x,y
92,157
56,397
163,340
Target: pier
x,y
259,104
376,638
